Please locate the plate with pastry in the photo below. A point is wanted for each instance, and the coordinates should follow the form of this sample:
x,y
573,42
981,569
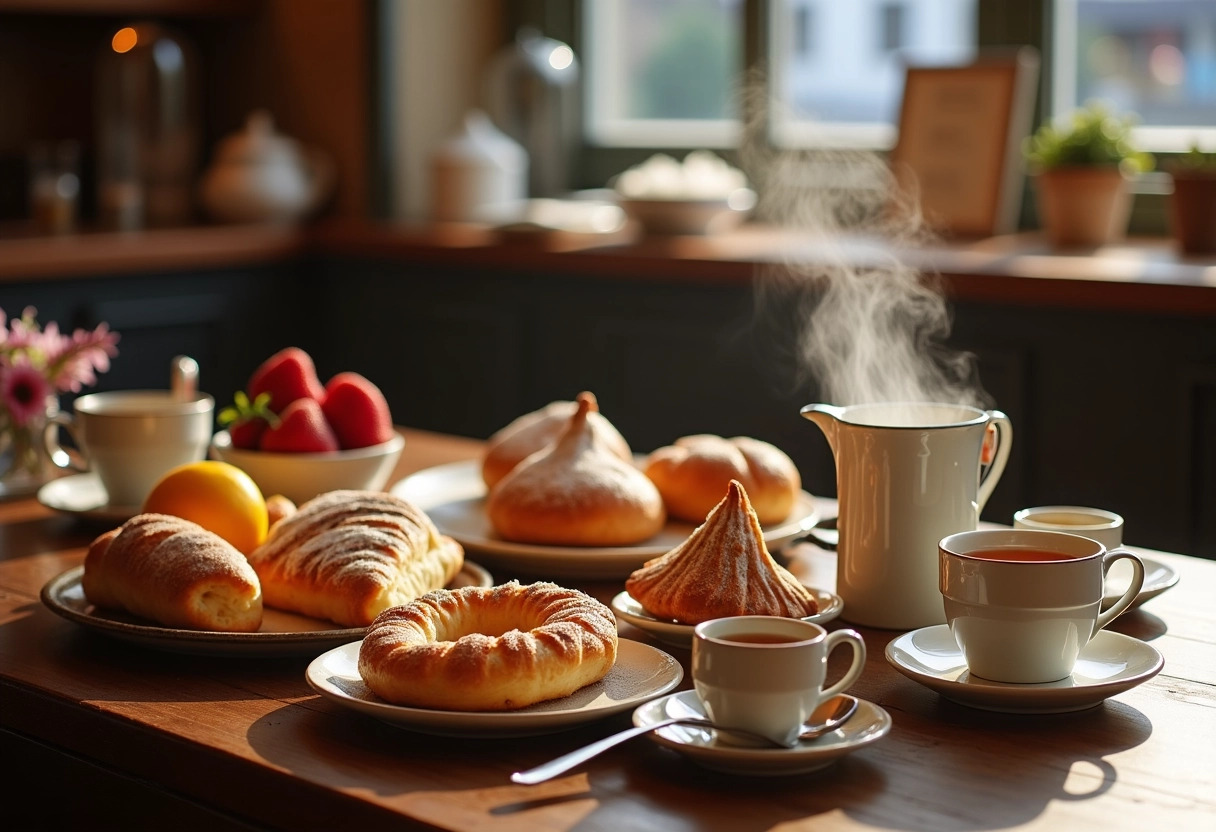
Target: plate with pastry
x,y
723,568
317,580
506,661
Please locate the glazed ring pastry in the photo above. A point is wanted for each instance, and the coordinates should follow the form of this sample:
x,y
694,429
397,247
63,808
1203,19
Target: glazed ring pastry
x,y
488,649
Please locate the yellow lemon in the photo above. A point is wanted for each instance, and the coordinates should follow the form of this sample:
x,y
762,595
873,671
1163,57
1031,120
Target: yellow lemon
x,y
218,496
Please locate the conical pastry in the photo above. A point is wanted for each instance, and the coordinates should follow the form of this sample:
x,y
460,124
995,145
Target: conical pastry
x,y
576,492
722,569
534,431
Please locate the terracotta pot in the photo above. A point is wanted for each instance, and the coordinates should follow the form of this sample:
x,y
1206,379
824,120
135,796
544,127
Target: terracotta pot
x,y
1193,211
1083,206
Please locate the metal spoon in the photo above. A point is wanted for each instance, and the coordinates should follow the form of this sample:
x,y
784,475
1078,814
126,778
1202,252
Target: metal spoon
x,y
843,707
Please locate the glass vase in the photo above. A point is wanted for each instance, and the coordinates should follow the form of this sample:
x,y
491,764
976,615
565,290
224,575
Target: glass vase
x,y
24,463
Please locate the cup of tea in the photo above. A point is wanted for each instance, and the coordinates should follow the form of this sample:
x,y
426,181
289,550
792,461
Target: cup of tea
x,y
1022,603
766,674
1104,526
130,438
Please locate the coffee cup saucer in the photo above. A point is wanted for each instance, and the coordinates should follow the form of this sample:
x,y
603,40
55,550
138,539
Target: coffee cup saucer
x,y
83,495
1110,664
702,745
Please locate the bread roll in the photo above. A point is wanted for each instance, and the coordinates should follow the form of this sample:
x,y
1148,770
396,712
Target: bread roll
x,y
347,556
537,430
694,473
722,569
576,492
175,573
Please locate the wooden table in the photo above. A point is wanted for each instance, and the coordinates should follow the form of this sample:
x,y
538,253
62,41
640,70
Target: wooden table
x,y
97,730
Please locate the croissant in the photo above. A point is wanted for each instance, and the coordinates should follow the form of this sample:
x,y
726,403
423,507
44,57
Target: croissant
x,y
576,492
174,572
533,431
722,569
347,556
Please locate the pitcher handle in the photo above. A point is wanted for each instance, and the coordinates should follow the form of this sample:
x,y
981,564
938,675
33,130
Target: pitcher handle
x,y
990,475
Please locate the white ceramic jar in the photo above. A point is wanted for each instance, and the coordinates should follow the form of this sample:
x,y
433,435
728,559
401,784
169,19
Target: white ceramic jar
x,y
478,168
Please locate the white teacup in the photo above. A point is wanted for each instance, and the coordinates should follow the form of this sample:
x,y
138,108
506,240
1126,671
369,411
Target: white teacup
x,y
765,674
1022,603
130,438
1104,526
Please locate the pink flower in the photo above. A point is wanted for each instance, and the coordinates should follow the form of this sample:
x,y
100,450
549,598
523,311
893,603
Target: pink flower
x,y
24,392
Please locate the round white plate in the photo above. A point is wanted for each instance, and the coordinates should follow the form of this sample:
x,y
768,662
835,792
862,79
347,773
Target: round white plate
x,y
282,633
680,635
1158,577
641,672
453,496
703,746
1110,664
83,495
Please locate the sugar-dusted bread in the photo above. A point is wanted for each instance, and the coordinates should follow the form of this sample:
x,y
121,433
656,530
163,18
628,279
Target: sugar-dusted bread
x,y
536,430
693,473
722,569
576,492
173,572
347,556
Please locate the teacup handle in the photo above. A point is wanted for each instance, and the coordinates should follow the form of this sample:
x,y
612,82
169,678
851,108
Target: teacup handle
x,y
61,457
1132,590
854,639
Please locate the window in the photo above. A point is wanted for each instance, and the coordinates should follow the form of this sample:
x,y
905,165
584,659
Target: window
x,y
1154,58
665,73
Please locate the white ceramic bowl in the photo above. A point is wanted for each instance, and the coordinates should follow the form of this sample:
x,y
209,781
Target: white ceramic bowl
x,y
690,216
300,477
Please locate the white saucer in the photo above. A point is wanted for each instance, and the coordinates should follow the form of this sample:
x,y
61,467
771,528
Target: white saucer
x,y
1158,577
1110,664
701,745
680,635
84,496
641,672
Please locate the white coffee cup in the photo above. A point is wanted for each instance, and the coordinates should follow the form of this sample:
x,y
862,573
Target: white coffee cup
x,y
1104,526
1022,603
130,438
765,674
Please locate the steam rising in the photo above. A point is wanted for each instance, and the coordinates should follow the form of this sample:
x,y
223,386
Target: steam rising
x,y
867,327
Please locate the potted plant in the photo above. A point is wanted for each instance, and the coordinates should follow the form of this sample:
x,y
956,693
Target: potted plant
x,y
1080,171
1193,202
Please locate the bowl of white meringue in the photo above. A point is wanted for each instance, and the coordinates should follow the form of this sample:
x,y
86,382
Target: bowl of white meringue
x,y
701,195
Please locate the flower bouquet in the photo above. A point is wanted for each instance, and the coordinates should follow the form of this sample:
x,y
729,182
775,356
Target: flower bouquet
x,y
36,365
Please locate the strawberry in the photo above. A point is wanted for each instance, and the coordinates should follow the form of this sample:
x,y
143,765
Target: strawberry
x,y
302,429
246,420
287,375
357,411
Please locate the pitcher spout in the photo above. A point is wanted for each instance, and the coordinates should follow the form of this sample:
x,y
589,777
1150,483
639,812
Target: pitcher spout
x,y
828,417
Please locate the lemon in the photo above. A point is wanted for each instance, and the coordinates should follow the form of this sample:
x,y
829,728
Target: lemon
x,y
217,496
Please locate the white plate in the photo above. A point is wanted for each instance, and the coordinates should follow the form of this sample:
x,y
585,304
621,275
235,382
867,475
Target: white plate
x,y
702,745
641,672
1110,664
83,495
680,635
282,633
453,496
1158,577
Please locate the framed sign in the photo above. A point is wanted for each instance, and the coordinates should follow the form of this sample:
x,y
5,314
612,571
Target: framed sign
x,y
959,149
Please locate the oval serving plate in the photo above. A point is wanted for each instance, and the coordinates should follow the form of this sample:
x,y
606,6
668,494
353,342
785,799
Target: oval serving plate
x,y
282,634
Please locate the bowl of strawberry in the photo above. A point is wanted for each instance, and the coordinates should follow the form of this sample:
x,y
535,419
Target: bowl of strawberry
x,y
299,438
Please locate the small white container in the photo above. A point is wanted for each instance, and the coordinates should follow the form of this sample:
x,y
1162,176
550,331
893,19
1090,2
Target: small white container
x,y
477,169
1098,524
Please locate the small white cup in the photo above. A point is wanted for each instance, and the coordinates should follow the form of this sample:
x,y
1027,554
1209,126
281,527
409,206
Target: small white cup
x,y
130,438
1022,603
765,674
1101,525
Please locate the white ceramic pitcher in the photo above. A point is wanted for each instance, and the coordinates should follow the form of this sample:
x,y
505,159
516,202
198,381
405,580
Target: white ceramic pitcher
x,y
907,475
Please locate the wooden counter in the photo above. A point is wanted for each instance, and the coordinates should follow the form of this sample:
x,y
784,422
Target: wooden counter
x,y
99,733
